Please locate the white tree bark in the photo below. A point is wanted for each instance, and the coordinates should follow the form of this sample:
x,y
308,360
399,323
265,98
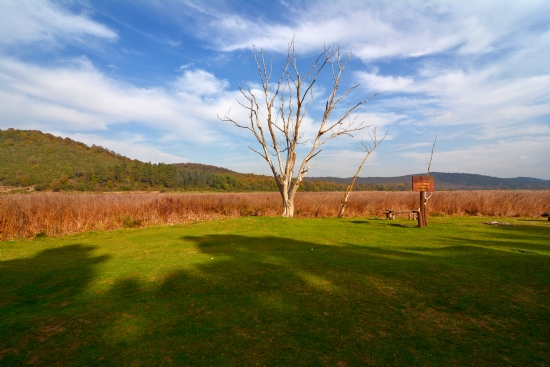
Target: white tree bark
x,y
276,114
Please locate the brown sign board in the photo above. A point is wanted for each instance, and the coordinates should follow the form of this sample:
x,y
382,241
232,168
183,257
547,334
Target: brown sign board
x,y
423,183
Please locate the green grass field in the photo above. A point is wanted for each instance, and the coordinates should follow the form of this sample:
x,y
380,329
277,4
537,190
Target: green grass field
x,y
281,292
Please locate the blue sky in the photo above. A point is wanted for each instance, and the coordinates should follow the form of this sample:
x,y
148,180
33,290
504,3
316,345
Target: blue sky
x,y
147,79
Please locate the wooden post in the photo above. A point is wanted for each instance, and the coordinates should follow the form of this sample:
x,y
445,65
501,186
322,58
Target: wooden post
x,y
421,222
423,184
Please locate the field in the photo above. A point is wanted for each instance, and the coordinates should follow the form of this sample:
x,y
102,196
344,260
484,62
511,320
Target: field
x,y
28,215
281,292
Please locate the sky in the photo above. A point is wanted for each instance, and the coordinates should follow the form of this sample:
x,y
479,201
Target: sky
x,y
148,79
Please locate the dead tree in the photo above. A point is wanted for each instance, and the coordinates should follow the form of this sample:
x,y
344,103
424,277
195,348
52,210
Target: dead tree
x,y
368,148
424,209
276,114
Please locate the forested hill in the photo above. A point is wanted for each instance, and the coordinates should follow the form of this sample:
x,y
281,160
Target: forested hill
x,y
46,162
448,181
206,168
30,158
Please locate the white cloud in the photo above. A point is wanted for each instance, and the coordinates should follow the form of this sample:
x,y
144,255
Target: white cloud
x,y
504,158
24,111
496,99
134,147
345,162
487,65
45,22
184,66
389,83
412,146
79,97
199,82
377,29
501,159
383,122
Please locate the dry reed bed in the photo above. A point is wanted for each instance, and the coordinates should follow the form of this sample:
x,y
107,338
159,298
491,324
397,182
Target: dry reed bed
x,y
25,215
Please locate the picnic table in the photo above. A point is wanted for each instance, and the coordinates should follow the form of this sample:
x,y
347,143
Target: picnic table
x,y
390,214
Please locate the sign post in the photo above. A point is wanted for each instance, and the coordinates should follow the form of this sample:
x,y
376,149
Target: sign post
x,y
423,184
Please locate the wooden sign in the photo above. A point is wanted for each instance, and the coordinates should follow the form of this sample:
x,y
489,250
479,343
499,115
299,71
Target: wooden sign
x,y
423,183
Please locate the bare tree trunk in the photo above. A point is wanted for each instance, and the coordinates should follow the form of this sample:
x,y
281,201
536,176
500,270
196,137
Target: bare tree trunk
x,y
288,200
369,149
345,200
288,208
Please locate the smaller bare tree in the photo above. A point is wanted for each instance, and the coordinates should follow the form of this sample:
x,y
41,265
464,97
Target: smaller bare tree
x,y
424,208
368,148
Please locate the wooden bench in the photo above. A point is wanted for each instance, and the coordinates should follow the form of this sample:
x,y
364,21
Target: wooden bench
x,y
390,214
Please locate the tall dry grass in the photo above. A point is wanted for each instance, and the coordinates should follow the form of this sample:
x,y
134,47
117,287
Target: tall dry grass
x,y
25,215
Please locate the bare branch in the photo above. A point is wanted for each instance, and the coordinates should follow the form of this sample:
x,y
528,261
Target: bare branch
x,y
432,155
429,166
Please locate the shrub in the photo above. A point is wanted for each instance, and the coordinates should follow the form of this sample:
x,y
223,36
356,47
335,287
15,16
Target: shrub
x,y
40,234
131,223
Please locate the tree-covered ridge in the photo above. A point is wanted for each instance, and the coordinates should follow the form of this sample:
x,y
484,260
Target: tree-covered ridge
x,y
448,181
32,158
47,162
205,168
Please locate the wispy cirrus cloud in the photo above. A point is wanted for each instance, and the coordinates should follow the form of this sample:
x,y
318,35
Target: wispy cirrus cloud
x,y
377,29
499,158
77,96
502,105
471,63
130,145
45,23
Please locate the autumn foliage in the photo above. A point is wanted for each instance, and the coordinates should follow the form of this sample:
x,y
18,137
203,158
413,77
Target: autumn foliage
x,y
26,215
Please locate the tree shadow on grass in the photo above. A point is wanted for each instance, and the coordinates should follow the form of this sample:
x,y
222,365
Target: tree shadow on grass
x,y
528,229
263,301
403,225
51,276
370,221
542,220
360,221
408,224
536,238
35,293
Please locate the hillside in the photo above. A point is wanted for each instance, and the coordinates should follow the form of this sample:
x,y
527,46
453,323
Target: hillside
x,y
46,162
205,168
448,181
32,158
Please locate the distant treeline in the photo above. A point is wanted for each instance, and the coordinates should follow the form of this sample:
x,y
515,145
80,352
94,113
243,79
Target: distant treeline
x,y
30,158
449,181
46,162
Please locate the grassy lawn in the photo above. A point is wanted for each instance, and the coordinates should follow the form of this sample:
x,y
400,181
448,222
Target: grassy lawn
x,y
281,292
